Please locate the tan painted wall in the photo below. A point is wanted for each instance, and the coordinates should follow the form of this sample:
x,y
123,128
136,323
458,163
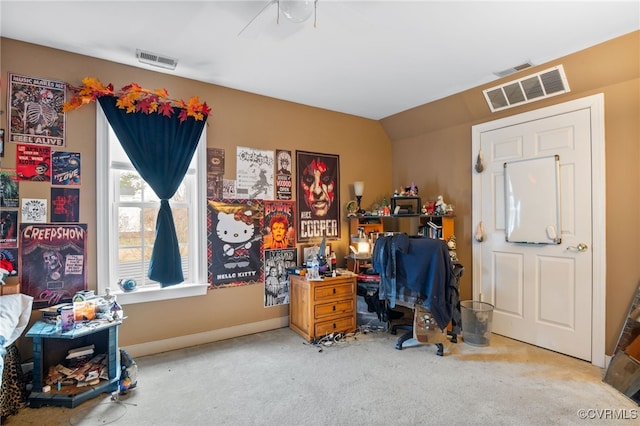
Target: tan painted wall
x,y
238,119
432,147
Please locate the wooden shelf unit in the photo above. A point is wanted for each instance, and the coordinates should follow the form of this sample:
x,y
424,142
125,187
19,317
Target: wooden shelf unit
x,y
50,348
394,223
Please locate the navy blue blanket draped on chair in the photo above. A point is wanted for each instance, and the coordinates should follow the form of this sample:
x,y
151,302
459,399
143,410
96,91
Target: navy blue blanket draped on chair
x,y
416,269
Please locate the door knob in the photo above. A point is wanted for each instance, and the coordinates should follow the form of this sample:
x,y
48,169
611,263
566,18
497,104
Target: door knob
x,y
580,247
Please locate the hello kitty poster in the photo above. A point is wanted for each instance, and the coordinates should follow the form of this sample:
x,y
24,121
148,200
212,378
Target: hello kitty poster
x,y
234,233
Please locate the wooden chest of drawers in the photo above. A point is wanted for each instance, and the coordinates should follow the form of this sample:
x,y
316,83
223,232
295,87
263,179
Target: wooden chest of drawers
x,y
319,308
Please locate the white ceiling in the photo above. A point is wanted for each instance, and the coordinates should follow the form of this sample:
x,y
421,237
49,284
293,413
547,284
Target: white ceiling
x,y
367,58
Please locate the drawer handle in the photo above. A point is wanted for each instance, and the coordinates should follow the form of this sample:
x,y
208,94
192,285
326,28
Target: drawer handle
x,y
334,307
334,290
334,325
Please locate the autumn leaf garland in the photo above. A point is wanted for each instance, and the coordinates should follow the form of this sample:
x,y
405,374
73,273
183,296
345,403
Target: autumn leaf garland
x,y
135,98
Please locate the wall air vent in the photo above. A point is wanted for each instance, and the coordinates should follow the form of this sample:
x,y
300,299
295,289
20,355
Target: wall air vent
x,y
513,70
156,60
541,85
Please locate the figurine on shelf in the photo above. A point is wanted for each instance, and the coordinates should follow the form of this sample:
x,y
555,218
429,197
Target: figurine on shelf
x,y
411,191
441,206
452,242
386,211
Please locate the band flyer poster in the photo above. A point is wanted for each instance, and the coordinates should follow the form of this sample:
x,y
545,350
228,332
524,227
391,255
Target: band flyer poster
x,y
318,198
283,175
254,174
9,189
279,225
234,251
276,281
65,204
9,228
52,262
215,173
65,168
36,115
33,163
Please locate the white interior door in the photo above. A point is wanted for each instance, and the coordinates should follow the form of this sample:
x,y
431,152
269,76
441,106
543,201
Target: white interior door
x,y
542,293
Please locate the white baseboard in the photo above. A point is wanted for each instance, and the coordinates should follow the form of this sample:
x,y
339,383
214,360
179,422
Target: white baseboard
x,y
158,346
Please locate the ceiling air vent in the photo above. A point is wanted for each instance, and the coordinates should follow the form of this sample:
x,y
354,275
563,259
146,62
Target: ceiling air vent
x,y
156,60
531,88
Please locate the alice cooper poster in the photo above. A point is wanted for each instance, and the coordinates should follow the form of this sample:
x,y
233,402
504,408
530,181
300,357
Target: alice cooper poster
x,y
52,262
235,242
318,182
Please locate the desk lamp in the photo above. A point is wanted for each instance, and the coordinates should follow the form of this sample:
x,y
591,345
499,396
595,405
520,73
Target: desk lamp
x,y
358,188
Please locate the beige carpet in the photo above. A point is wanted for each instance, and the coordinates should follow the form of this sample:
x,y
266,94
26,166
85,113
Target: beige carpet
x,y
276,378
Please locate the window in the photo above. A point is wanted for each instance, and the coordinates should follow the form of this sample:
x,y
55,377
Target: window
x,y
126,215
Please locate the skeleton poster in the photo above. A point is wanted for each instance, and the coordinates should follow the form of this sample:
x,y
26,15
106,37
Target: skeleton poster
x,y
65,168
318,197
276,281
254,173
33,163
234,242
36,110
283,175
52,262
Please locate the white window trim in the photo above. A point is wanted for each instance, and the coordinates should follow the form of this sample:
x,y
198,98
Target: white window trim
x,y
105,237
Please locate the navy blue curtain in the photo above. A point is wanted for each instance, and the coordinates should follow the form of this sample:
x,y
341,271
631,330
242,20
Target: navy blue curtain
x,y
161,149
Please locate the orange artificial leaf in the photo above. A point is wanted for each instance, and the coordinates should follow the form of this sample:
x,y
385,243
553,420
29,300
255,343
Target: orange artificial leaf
x,y
162,93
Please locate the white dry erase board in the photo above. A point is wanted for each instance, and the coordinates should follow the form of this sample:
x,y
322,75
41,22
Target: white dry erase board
x,y
532,201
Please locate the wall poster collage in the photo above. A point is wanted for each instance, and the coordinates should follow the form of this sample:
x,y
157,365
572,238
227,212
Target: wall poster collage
x,y
41,242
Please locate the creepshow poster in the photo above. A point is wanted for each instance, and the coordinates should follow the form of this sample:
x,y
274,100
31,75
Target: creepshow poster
x,y
284,179
318,196
254,173
276,281
52,262
234,242
36,110
279,225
